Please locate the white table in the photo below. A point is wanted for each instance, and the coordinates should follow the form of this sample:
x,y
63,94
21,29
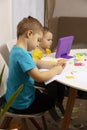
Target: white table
x,y
75,76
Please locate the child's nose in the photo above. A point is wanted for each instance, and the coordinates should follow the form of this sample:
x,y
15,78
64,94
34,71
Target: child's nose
x,y
50,42
38,44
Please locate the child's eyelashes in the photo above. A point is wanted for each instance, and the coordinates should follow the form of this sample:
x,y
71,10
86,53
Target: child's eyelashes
x,y
50,39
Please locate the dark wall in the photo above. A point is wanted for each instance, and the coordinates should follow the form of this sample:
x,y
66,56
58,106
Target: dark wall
x,y
76,26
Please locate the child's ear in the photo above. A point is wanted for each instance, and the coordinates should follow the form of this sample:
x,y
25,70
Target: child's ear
x,y
29,33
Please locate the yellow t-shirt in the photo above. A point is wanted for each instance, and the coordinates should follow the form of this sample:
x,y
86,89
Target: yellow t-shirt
x,y
38,54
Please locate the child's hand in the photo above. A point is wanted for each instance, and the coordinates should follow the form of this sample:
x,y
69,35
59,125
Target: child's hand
x,y
62,62
58,69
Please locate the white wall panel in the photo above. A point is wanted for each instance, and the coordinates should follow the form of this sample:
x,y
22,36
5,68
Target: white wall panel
x,y
24,8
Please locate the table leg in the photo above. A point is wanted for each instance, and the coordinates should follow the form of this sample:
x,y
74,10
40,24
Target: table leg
x,y
69,107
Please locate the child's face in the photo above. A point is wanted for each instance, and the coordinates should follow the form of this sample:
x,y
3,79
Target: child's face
x,y
34,40
46,41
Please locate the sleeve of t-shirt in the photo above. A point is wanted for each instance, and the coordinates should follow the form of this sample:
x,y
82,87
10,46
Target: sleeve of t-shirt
x,y
26,62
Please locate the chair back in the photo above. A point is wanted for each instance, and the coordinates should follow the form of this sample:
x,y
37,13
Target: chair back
x,y
4,78
6,48
11,43
4,52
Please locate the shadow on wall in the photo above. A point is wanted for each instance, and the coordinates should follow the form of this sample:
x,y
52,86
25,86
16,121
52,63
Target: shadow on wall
x,y
53,26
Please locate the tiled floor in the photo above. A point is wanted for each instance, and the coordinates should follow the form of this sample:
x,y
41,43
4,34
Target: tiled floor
x,y
79,116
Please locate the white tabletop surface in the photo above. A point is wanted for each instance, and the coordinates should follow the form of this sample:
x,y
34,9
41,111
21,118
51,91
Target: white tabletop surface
x,y
75,72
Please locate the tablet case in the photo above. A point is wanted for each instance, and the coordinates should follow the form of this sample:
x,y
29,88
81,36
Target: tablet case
x,y
64,46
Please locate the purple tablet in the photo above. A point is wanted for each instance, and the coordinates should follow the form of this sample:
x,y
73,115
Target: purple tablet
x,y
63,47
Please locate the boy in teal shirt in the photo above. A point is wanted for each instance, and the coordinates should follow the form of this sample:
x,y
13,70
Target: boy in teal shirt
x,y
23,70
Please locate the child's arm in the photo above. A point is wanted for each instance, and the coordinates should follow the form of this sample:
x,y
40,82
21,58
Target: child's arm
x,y
49,64
45,64
45,75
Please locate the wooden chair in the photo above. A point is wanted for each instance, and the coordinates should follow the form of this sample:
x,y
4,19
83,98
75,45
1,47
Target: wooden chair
x,y
5,54
5,122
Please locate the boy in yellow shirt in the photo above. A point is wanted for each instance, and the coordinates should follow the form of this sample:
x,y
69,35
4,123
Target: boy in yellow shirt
x,y
44,47
55,89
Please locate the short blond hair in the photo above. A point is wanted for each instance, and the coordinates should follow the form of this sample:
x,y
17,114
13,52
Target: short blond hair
x,y
45,30
28,23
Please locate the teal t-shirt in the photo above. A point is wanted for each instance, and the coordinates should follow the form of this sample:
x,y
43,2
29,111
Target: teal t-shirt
x,y
20,61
